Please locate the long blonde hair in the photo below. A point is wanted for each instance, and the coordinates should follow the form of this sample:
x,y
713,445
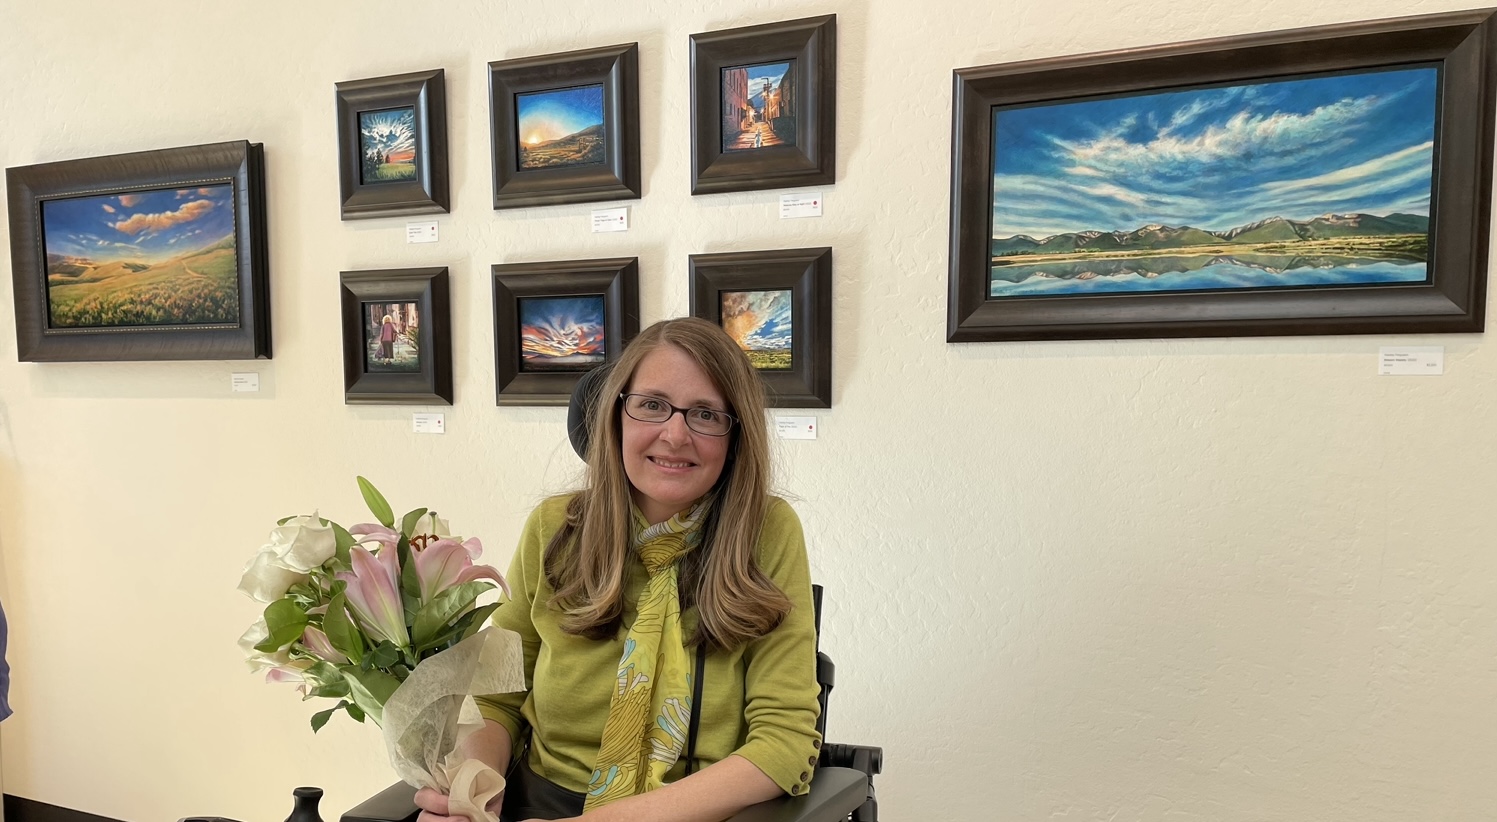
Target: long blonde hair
x,y
586,560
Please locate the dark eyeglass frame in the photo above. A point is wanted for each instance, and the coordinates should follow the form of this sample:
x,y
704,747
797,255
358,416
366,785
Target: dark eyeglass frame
x,y
675,409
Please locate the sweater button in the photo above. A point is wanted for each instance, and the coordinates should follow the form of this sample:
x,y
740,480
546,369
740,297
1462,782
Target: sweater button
x,y
804,775
816,743
811,761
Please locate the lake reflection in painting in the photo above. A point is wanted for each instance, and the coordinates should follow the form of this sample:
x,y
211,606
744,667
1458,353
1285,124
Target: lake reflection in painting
x,y
1198,273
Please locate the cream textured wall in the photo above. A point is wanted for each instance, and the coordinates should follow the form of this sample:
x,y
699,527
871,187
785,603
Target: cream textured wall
x,y
1239,579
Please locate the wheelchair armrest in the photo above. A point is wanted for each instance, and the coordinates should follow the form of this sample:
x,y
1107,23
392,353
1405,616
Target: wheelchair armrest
x,y
396,803
835,793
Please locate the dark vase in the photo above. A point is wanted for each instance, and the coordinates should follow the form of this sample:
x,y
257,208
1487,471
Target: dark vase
x,y
306,805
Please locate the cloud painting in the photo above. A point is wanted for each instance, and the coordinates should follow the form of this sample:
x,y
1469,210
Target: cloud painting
x,y
1302,160
561,333
387,145
759,321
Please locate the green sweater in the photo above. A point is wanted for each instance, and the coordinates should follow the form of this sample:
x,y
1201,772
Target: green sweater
x,y
760,698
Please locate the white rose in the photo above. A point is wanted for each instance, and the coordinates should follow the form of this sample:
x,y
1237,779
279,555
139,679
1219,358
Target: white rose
x,y
295,548
266,579
259,660
303,543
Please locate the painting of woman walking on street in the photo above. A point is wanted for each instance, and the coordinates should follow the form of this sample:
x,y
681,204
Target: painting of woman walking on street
x,y
392,338
1311,181
759,106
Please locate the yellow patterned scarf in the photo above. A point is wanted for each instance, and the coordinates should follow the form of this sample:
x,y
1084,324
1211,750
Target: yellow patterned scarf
x,y
651,707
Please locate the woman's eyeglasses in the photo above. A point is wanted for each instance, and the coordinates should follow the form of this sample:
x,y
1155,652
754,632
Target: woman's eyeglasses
x,y
707,421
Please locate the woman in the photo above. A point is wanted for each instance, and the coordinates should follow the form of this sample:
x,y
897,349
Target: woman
x,y
674,548
387,332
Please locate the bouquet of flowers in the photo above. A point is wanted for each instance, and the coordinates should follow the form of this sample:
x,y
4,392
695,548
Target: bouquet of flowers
x,y
386,620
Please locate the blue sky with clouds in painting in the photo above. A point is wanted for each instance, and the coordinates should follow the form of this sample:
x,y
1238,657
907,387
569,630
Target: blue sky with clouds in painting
x,y
1217,158
145,226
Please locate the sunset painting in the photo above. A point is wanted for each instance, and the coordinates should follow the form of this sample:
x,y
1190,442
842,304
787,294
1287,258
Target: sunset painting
x,y
387,145
561,333
759,321
560,128
146,258
1316,181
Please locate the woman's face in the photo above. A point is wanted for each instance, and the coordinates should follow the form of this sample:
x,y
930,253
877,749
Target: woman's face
x,y
669,465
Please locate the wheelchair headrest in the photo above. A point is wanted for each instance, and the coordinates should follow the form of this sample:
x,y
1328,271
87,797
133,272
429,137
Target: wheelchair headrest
x,y
580,407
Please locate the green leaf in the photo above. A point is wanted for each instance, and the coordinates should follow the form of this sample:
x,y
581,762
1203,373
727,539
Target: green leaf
x,y
354,711
341,631
377,504
410,520
410,581
460,629
383,656
479,618
321,717
343,542
286,622
370,689
445,607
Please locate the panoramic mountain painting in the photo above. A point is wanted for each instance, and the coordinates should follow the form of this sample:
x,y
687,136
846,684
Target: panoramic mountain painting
x,y
1308,182
560,128
146,258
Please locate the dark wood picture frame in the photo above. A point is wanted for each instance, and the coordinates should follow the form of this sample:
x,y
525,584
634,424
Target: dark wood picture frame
x,y
1463,45
812,44
425,93
617,177
807,274
428,289
614,280
239,164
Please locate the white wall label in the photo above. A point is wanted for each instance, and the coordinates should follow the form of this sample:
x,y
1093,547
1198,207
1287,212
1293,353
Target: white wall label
x,y
428,423
1411,360
795,428
805,204
611,219
245,381
421,232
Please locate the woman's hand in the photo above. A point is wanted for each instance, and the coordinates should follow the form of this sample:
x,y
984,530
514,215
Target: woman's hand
x,y
433,805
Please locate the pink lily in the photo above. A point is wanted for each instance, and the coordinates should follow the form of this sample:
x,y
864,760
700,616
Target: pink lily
x,y
293,671
374,594
446,563
374,532
318,643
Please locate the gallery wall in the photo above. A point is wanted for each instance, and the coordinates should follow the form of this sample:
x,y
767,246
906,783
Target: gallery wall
x,y
1198,579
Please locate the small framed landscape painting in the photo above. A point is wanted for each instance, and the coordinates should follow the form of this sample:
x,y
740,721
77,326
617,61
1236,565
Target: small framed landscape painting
x,y
397,341
392,145
777,305
150,256
555,321
764,106
1322,181
565,127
